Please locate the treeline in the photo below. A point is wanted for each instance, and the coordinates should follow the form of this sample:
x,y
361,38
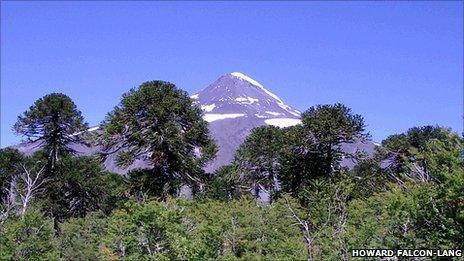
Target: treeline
x,y
286,195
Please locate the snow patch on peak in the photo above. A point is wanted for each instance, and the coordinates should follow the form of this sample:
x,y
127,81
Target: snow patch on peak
x,y
244,77
195,96
210,117
247,100
89,130
273,113
283,122
260,116
208,107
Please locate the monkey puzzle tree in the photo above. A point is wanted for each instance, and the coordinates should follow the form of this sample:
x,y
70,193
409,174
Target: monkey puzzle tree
x,y
224,185
313,149
332,125
257,159
10,165
300,162
53,120
158,122
402,150
81,186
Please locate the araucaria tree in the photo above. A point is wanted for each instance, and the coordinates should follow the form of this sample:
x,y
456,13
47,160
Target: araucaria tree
x,y
330,126
53,120
158,122
257,159
402,151
313,149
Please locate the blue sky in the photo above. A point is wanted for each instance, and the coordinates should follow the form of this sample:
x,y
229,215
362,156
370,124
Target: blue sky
x,y
399,64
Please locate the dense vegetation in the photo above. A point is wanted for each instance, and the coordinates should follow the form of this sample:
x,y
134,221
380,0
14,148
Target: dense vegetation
x,y
286,196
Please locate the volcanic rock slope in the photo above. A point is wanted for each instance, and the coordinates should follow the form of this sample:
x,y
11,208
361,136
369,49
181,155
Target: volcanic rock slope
x,y
233,105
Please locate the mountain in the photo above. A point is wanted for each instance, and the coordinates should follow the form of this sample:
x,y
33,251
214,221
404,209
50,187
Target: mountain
x,y
236,95
233,105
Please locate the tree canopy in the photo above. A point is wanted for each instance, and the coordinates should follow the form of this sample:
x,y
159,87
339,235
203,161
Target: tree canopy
x,y
54,120
159,122
313,149
408,195
257,159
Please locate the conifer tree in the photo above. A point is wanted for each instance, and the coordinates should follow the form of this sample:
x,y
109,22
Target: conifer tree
x,y
158,122
313,149
53,120
257,159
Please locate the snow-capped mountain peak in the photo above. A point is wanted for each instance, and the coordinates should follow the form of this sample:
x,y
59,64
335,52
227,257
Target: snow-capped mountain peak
x,y
235,104
244,77
236,95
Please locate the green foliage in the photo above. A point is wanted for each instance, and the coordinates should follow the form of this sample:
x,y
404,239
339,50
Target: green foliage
x,y
333,124
80,238
31,237
402,150
403,218
79,185
148,231
416,137
243,230
369,177
10,161
313,150
299,162
52,120
257,159
224,184
159,121
444,161
321,213
330,126
410,194
149,182
416,214
185,230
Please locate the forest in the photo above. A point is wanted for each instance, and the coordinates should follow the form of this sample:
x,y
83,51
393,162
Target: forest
x,y
57,205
